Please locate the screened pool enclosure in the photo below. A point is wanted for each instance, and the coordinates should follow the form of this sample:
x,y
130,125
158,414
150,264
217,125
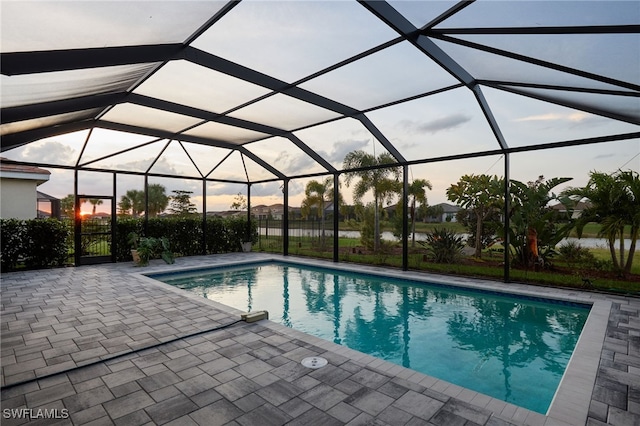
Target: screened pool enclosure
x,y
266,95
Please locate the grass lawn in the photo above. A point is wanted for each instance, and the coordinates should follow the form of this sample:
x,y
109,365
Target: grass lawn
x,y
490,267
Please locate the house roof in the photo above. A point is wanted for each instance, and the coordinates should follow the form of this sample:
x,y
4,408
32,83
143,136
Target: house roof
x,y
448,208
245,91
23,172
21,168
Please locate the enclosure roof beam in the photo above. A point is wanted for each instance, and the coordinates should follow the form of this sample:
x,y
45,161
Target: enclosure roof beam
x,y
187,138
18,63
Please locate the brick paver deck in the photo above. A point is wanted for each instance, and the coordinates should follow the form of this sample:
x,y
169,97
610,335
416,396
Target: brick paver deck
x,y
104,345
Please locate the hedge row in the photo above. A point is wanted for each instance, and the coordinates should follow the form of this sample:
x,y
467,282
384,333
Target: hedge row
x,y
36,243
185,234
45,243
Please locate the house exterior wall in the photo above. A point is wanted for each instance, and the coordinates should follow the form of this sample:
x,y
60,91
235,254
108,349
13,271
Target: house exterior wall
x,y
18,199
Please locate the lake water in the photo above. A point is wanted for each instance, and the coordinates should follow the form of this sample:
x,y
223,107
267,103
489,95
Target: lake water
x,y
388,236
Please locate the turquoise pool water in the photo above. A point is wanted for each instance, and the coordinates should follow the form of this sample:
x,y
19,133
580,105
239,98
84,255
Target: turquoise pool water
x,y
509,347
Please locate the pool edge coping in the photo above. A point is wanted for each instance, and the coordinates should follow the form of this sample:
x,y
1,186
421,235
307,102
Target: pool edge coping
x,y
574,392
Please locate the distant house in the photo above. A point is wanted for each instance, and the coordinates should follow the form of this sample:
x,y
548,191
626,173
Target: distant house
x,y
578,208
448,213
19,190
274,211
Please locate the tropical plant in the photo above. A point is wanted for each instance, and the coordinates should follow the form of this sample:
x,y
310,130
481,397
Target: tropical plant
x,y
614,203
443,245
481,194
148,248
379,174
535,227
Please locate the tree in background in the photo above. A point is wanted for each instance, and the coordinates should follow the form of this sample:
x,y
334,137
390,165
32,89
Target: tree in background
x,y
239,202
431,211
615,204
134,201
158,199
180,203
68,206
124,206
95,202
482,194
535,227
492,227
317,195
384,182
417,194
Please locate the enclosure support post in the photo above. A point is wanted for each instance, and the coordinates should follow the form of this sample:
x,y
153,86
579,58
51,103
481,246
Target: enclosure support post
x,y
336,217
285,218
248,236
405,225
114,222
146,205
505,242
76,221
204,216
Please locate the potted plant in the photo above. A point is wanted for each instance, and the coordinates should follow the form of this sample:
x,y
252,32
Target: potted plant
x,y
166,254
134,239
147,247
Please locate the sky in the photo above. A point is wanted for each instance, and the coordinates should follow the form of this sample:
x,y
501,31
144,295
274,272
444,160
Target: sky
x,y
291,40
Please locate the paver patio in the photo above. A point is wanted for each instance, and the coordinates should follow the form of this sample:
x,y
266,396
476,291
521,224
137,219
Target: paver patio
x,y
108,346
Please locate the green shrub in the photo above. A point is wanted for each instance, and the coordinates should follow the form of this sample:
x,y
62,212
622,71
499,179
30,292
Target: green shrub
x,y
12,236
36,243
443,246
46,243
576,255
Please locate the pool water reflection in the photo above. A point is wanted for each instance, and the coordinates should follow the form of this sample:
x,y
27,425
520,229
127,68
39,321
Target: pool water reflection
x,y
509,347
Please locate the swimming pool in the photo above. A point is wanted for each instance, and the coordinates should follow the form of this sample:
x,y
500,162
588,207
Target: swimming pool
x,y
510,347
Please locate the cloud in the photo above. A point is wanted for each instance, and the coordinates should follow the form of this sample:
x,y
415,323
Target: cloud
x,y
574,117
52,152
449,122
293,163
603,156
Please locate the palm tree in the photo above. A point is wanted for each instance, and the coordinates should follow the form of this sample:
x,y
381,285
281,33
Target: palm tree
x,y
135,200
417,193
615,203
95,202
317,195
374,178
158,199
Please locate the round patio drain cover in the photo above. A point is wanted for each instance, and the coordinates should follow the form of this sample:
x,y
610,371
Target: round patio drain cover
x,y
314,362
